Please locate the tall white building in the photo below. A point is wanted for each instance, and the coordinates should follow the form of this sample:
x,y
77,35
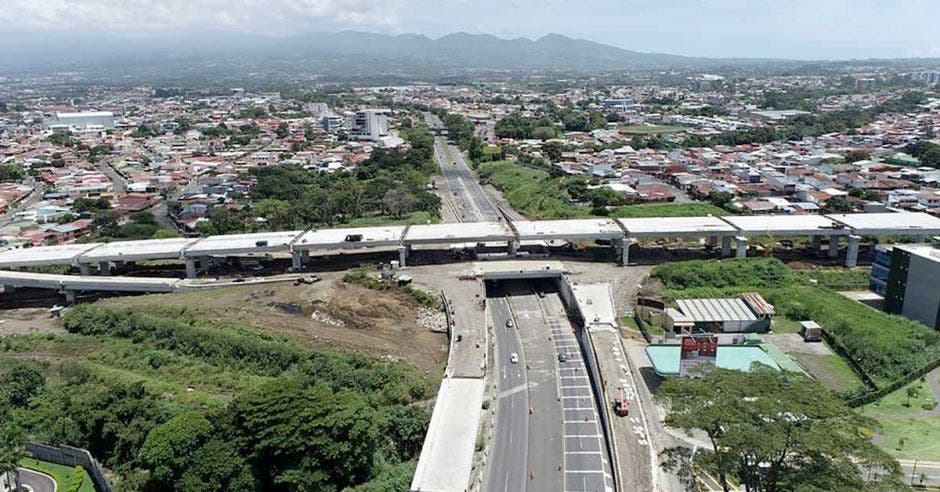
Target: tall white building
x,y
371,124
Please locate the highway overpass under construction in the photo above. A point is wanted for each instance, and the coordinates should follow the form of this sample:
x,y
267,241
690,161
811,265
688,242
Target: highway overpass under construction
x,y
732,232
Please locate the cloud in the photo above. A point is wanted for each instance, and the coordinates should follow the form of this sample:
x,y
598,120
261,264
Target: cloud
x,y
271,16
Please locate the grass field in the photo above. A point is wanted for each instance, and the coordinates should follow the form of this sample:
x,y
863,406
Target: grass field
x,y
908,430
384,220
651,129
61,474
669,210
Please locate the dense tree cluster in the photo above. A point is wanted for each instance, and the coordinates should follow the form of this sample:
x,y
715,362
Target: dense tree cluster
x,y
809,125
391,182
315,421
774,431
515,125
927,152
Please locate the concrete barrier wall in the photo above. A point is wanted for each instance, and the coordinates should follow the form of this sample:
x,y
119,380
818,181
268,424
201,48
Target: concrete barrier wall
x,y
583,335
71,457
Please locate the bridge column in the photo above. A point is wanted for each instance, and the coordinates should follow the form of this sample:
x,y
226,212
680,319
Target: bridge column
x,y
119,264
105,267
296,260
84,269
920,238
403,252
741,247
190,267
305,256
851,254
833,246
513,246
712,241
9,289
69,295
624,245
815,241
725,246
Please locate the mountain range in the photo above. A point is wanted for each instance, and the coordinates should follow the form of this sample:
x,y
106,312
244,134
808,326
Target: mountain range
x,y
72,50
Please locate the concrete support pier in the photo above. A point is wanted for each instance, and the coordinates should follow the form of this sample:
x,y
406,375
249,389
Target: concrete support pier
x,y
84,269
624,246
712,241
741,247
403,253
305,256
513,247
105,267
69,296
190,267
296,260
725,246
815,241
851,254
833,246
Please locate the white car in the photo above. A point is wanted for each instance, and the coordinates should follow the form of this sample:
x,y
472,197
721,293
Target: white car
x,y
514,358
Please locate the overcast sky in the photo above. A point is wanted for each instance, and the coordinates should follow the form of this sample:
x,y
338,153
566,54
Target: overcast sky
x,y
803,29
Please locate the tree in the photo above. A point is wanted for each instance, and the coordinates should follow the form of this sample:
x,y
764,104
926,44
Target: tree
x,y
911,392
22,382
553,151
857,155
775,431
11,447
11,172
398,201
305,438
105,220
222,221
839,205
183,453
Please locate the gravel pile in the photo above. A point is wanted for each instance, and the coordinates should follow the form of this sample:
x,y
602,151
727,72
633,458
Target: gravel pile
x,y
326,319
433,320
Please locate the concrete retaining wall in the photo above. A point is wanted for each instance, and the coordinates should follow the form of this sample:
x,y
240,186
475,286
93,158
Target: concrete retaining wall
x,y
71,457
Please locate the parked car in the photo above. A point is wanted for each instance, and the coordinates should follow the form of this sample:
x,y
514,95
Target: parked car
x,y
514,358
509,323
562,357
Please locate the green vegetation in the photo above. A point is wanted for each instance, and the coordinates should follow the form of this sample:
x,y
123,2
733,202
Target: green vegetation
x,y
927,152
532,192
650,129
363,278
809,124
11,172
389,185
669,210
67,479
886,347
839,279
170,400
773,430
540,194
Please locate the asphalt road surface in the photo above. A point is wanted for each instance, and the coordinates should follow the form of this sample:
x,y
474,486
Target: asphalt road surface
x,y
507,466
548,435
470,200
39,482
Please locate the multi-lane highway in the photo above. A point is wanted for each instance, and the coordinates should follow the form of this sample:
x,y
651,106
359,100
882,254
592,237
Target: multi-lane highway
x,y
548,433
463,192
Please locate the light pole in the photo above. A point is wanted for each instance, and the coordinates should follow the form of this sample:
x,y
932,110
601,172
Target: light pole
x,y
914,471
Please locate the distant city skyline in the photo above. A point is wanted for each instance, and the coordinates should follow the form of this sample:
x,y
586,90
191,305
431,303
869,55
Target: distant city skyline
x,y
805,29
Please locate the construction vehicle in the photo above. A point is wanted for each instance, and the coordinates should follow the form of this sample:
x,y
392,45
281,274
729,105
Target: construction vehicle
x,y
621,407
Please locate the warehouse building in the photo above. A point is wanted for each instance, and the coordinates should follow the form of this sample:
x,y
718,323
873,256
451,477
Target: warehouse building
x,y
906,275
748,313
81,121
